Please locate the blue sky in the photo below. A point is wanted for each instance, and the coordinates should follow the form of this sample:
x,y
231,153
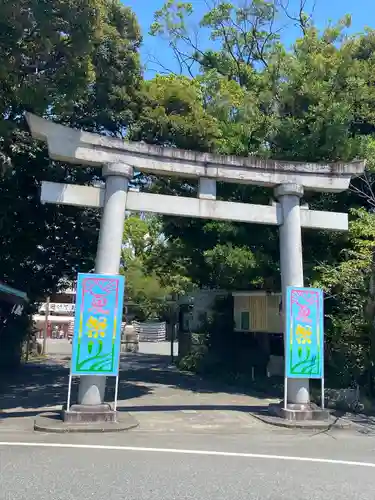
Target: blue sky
x,y
362,12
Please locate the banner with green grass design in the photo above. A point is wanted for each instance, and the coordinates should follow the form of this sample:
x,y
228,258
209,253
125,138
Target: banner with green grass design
x,y
304,329
97,324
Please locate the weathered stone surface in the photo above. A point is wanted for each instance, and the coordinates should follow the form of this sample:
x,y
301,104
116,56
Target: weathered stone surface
x,y
75,146
88,414
52,422
129,340
70,194
331,423
298,412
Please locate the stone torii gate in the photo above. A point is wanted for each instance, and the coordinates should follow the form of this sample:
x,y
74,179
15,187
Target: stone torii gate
x,y
117,159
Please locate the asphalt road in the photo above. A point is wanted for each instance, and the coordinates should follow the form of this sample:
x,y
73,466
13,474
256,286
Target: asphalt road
x,y
178,451
264,466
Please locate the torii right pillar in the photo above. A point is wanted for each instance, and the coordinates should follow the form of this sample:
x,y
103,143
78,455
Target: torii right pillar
x,y
297,405
291,267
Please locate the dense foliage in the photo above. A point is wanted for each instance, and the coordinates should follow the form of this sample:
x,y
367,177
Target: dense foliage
x,y
313,101
75,62
241,92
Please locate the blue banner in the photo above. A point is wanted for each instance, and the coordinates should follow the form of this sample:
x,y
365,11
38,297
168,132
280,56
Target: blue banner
x,y
97,324
304,330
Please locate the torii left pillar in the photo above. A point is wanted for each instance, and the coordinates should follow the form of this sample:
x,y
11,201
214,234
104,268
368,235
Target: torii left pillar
x,y
92,388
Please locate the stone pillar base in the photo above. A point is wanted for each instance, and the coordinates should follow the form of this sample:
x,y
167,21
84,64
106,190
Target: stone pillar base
x,y
67,421
86,414
299,412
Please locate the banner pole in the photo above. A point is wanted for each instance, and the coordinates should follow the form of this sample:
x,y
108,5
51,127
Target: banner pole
x,y
69,392
285,392
116,393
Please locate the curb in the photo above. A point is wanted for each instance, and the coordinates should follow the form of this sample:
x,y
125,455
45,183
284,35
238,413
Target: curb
x,y
303,424
51,422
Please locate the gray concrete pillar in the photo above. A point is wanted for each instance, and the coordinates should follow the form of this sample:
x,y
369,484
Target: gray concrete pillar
x,y
291,266
92,388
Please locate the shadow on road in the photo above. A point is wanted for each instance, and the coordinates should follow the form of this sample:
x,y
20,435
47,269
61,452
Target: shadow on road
x,y
155,369
257,409
45,384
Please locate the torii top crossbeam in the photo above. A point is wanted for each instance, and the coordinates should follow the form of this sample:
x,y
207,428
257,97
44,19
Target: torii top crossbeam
x,y
79,147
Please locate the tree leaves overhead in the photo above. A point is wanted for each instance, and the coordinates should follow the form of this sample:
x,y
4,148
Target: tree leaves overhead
x,y
74,62
45,51
311,101
173,115
111,101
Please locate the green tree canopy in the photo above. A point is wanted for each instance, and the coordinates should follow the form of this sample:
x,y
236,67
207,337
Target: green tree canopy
x,y
312,101
72,62
76,63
